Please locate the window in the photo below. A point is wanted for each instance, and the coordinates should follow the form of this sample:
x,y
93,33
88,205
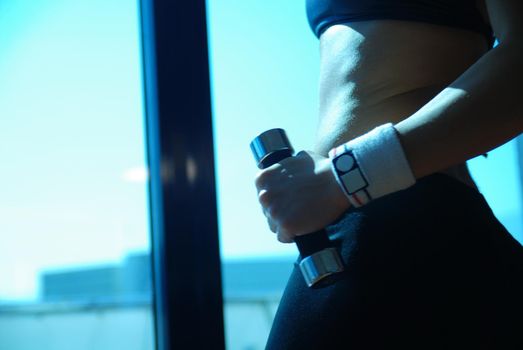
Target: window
x,y
505,197
74,242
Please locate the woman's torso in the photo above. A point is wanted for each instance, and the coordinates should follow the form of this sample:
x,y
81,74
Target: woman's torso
x,y
378,71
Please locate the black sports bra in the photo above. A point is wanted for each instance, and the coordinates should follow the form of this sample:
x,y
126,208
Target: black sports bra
x,y
455,13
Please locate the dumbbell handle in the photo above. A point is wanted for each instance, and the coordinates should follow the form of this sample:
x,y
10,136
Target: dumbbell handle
x,y
320,262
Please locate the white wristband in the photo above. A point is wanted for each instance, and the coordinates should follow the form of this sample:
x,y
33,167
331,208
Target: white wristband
x,y
371,166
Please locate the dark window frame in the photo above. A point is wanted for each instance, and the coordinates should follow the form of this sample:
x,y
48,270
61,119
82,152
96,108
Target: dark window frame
x,y
188,304
519,152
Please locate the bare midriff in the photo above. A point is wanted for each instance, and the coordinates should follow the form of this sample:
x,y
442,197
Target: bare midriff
x,y
376,72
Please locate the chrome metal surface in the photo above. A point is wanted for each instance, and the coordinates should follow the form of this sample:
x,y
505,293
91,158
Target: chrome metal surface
x,y
268,142
320,265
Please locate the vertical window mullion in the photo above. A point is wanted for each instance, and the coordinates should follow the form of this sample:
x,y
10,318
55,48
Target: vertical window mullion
x,y
185,249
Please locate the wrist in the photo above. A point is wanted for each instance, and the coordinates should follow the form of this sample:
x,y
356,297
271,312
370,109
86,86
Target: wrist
x,y
371,166
339,199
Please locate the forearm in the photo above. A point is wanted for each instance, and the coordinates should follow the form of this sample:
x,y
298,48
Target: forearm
x,y
481,110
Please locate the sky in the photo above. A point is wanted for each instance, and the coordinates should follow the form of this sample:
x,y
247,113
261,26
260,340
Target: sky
x,y
73,183
71,138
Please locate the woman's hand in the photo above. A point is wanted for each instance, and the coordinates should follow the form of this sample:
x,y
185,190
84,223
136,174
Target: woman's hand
x,y
300,195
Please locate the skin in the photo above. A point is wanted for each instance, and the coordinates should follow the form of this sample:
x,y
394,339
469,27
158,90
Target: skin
x,y
449,97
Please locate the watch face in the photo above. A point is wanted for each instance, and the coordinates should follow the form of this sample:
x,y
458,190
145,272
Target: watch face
x,y
345,162
350,173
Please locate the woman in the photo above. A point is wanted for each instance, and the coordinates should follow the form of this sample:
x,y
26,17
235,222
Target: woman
x,y
409,91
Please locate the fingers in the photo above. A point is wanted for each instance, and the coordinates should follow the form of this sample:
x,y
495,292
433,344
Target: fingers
x,y
283,238
276,185
281,235
264,197
275,212
272,225
267,176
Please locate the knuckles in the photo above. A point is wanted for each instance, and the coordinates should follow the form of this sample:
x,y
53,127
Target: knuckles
x,y
265,177
265,198
269,204
287,226
270,183
282,238
267,183
260,180
276,186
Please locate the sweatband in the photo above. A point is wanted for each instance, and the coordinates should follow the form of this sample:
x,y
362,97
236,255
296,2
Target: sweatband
x,y
371,166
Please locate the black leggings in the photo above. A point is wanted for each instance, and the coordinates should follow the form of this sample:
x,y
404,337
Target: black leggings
x,y
429,267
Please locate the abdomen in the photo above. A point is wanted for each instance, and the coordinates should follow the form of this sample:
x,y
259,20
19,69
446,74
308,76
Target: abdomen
x,y
375,72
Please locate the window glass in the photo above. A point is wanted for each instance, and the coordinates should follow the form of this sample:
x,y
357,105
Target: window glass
x,y
74,242
263,60
498,177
